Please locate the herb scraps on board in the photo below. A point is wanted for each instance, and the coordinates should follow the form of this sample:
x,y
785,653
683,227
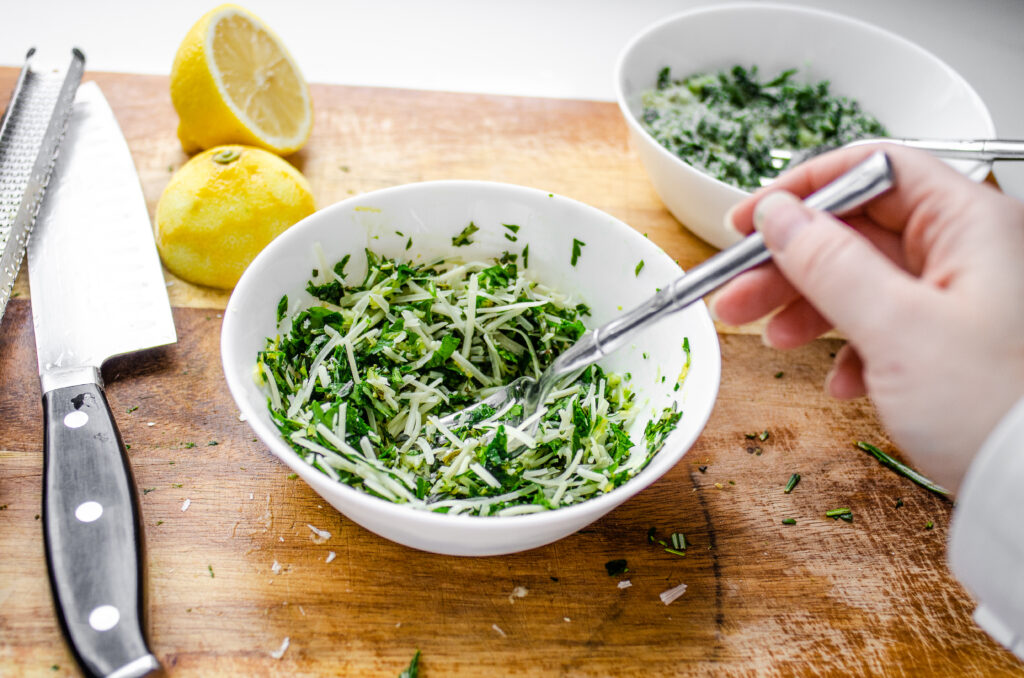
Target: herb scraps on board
x,y
726,123
793,480
902,469
837,513
616,567
413,670
676,545
359,377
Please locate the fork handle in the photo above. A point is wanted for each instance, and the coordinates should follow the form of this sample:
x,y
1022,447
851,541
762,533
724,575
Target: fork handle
x,y
966,149
862,183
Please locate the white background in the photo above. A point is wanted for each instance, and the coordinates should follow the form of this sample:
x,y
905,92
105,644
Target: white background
x,y
549,48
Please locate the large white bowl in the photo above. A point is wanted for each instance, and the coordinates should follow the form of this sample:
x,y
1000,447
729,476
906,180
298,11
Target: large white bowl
x,y
911,91
431,213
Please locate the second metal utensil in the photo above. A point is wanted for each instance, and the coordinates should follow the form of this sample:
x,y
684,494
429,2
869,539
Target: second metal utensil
x,y
956,149
862,183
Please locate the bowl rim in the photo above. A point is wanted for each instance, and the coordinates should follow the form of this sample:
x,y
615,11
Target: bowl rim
x,y
675,445
979,173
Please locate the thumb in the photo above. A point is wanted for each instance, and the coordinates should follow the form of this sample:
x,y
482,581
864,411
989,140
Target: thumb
x,y
851,283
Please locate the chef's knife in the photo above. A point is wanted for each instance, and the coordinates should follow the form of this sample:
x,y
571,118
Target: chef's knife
x,y
97,291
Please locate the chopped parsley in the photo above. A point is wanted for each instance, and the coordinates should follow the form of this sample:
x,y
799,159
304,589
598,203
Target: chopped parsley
x,y
726,123
577,249
282,308
462,239
789,521
639,267
844,513
902,469
793,480
616,567
413,670
360,379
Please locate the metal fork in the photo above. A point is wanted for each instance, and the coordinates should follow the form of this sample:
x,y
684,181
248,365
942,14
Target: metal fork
x,y
869,179
964,149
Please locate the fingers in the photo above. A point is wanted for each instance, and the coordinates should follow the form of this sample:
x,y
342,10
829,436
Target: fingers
x,y
752,295
846,379
922,183
795,325
840,273
760,291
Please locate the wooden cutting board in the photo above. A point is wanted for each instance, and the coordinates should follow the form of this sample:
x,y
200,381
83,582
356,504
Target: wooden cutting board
x,y
233,568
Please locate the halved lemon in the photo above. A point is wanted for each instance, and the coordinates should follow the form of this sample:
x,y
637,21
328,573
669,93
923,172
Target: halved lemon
x,y
233,81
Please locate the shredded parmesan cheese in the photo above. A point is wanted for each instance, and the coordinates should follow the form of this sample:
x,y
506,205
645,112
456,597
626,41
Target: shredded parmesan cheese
x,y
670,596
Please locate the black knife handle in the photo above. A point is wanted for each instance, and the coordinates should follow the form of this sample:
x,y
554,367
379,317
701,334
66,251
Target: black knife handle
x,y
92,534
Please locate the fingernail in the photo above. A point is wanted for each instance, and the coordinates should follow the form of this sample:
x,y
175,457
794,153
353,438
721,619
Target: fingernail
x,y
828,381
779,216
727,219
713,307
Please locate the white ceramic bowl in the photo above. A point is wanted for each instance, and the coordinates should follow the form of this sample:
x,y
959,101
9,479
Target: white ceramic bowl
x,y
911,91
431,213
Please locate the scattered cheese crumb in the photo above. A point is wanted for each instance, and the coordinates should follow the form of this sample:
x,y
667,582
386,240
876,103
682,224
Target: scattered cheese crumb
x,y
250,495
280,538
518,592
498,629
670,596
302,611
185,505
242,417
625,584
276,567
566,619
278,653
331,555
150,423
318,536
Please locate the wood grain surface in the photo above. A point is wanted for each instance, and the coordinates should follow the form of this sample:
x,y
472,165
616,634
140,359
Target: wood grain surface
x,y
822,597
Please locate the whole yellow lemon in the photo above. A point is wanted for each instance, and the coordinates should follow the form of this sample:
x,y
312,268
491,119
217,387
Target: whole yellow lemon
x,y
222,208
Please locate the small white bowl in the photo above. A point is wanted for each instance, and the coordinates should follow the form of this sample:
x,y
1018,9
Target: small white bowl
x,y
911,91
431,214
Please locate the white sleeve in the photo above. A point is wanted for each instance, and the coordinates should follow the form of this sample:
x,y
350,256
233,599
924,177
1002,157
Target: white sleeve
x,y
986,538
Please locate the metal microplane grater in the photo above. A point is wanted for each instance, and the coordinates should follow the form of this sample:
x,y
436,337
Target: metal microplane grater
x,y
30,134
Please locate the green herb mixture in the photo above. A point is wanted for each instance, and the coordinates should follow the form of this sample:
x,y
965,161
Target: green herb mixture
x,y
726,123
358,379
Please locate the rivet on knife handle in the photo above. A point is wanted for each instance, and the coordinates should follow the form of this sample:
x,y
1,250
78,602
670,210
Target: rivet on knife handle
x,y
30,135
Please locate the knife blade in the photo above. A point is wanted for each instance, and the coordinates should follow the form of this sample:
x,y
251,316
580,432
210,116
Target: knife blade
x,y
97,291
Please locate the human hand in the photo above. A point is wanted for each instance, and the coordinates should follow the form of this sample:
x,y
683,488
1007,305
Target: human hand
x,y
926,283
